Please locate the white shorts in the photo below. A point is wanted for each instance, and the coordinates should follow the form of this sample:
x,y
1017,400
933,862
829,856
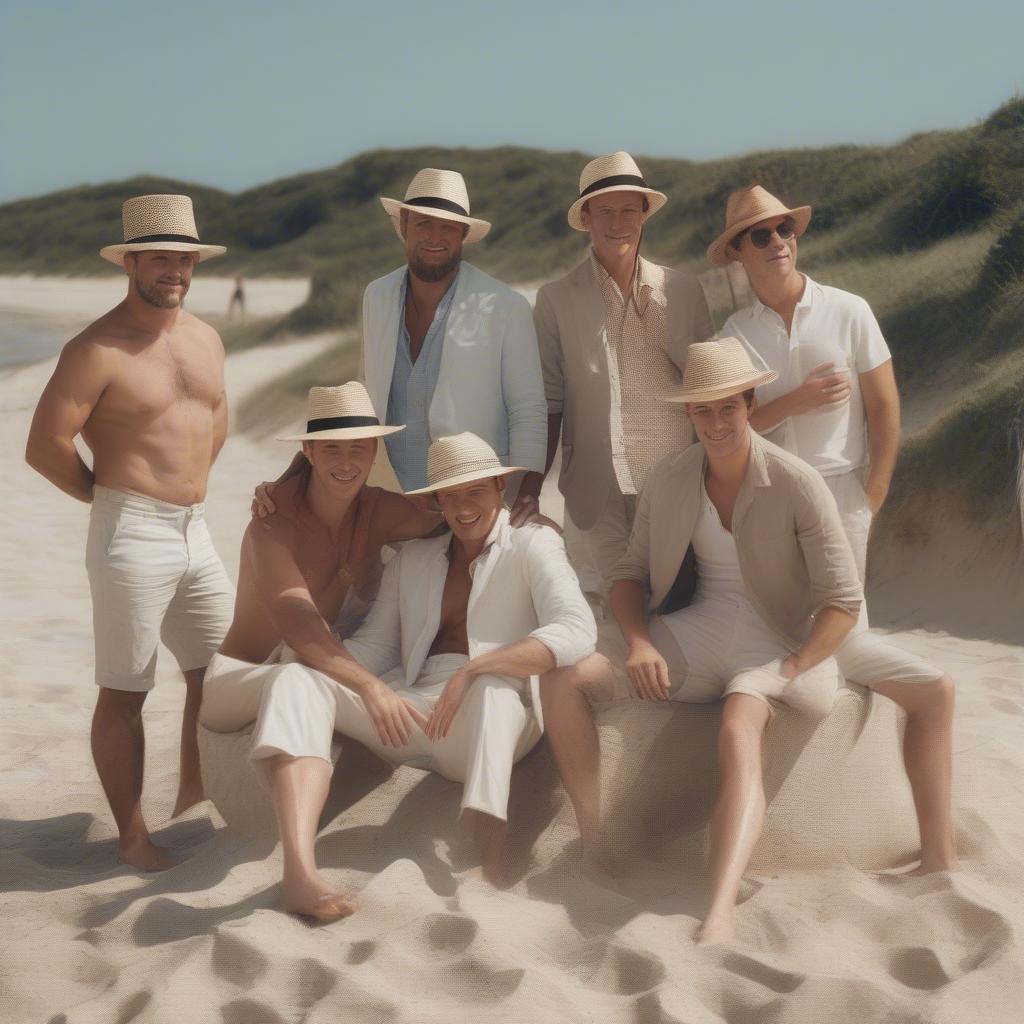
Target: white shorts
x,y
154,575
720,645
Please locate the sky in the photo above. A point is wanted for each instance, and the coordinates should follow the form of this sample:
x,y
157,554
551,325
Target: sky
x,y
237,94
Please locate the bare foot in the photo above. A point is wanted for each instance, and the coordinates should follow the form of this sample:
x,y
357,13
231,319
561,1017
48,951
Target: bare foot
x,y
931,866
312,897
188,796
716,931
143,853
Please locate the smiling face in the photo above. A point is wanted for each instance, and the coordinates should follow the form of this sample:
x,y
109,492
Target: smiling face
x,y
721,426
340,467
615,221
433,245
776,261
471,510
160,276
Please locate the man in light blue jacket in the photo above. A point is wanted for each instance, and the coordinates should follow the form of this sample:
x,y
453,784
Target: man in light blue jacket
x,y
446,348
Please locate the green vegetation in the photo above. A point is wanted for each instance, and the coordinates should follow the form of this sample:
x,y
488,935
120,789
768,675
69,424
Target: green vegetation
x,y
930,231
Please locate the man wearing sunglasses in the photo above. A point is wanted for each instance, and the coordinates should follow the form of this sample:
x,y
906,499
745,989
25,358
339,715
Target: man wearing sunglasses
x,y
835,402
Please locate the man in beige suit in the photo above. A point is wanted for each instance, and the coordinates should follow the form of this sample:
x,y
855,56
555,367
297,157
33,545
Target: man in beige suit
x,y
613,336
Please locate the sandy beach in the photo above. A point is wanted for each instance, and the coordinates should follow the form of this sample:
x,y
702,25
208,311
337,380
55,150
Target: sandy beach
x,y
89,942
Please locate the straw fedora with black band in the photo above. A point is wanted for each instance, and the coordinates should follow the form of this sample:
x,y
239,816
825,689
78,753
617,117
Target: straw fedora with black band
x,y
164,222
616,172
716,370
461,459
343,413
438,193
747,207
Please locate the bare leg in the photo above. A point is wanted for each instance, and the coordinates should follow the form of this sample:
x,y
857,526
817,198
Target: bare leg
x,y
490,834
298,791
739,810
190,779
928,759
119,752
569,723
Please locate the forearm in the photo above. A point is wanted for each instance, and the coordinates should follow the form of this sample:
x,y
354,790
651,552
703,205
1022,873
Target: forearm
x,y
295,467
830,629
532,482
883,448
60,463
629,606
526,657
768,417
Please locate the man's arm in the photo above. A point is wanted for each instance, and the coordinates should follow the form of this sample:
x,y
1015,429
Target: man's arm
x,y
882,409
220,426
397,518
262,502
522,387
822,387
831,627
80,378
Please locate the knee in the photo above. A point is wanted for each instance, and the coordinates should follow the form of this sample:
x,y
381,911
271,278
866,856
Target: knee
x,y
123,705
942,697
585,677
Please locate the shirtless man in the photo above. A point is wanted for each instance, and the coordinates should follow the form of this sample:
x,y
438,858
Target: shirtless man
x,y
442,675
144,386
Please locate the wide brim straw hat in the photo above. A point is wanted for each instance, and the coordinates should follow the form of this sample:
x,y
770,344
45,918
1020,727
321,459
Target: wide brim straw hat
x,y
461,459
744,209
343,413
718,369
441,194
616,172
164,222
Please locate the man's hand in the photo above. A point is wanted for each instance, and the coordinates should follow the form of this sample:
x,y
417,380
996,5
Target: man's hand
x,y
392,717
451,698
824,386
527,505
648,671
262,503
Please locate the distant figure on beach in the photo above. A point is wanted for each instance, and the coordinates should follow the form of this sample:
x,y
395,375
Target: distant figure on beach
x,y
834,402
748,540
144,386
237,299
435,677
613,334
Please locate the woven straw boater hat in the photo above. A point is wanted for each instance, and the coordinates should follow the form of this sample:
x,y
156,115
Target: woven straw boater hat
x,y
616,172
159,222
718,369
343,413
441,194
460,459
744,209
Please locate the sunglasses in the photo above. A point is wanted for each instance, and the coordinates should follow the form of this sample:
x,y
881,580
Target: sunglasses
x,y
760,237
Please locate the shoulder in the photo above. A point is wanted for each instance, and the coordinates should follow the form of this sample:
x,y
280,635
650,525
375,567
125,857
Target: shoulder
x,y
416,552
382,285
786,468
838,299
202,331
675,466
473,279
738,324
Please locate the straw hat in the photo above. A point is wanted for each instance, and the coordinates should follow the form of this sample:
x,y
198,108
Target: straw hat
x,y
441,194
744,209
460,459
343,413
159,222
616,172
718,369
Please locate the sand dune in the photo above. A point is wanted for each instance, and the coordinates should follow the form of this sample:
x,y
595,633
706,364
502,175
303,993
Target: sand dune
x,y
88,942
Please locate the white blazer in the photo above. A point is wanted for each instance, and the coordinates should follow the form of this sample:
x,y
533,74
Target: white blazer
x,y
522,586
490,381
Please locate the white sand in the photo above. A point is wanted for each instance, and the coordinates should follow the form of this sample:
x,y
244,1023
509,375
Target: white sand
x,y
90,942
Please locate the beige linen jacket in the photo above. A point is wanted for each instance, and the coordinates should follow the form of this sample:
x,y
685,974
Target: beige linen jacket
x,y
574,351
793,553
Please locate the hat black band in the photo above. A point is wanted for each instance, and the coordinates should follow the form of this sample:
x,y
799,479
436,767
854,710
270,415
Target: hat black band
x,y
161,238
438,204
615,179
340,422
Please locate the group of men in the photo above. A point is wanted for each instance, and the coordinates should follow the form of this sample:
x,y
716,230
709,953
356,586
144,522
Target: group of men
x,y
733,566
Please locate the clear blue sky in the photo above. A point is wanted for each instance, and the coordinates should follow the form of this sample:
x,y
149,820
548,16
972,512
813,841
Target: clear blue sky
x,y
234,94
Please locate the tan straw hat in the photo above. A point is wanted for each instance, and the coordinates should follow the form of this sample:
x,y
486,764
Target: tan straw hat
x,y
744,209
343,413
616,172
440,194
159,222
460,459
718,369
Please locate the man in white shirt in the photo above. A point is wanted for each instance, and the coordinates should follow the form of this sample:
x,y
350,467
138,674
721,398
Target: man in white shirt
x,y
835,403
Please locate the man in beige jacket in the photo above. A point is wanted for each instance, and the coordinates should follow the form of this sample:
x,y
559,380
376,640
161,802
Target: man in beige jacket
x,y
748,538
613,334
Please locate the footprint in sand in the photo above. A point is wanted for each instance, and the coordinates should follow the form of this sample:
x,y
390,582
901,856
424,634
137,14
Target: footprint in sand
x,y
621,971
763,974
449,933
1009,706
248,1011
360,952
918,967
133,1006
315,981
473,980
236,960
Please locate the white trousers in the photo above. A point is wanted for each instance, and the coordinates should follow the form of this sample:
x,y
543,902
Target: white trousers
x,y
297,709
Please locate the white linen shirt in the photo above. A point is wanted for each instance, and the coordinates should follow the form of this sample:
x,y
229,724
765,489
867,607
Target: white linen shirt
x,y
829,326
